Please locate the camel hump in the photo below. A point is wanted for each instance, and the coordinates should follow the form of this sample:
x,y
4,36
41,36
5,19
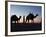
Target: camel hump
x,y
30,15
13,16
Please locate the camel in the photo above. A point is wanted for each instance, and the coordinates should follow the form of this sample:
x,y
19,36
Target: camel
x,y
31,17
15,18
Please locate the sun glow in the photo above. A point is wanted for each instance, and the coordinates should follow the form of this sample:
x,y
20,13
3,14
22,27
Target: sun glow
x,y
36,20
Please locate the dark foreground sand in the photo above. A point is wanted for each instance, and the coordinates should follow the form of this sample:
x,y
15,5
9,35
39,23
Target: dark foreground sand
x,y
25,27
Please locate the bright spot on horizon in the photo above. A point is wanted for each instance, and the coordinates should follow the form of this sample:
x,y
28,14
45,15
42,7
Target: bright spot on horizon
x,y
36,20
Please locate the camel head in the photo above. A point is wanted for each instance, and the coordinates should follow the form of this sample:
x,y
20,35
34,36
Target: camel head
x,y
36,16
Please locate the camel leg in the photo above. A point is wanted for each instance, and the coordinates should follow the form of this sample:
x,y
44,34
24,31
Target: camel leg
x,y
28,21
17,21
33,21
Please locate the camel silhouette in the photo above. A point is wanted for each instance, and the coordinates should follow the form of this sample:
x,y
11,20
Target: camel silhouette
x,y
15,18
31,17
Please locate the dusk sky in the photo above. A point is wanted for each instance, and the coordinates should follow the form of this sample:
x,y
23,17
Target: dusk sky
x,y
23,10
